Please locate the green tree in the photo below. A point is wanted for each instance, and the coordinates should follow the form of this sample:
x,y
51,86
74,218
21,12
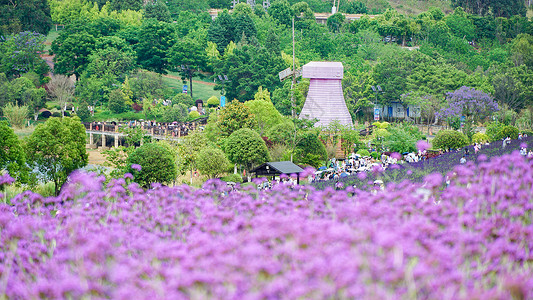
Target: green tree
x,y
12,156
145,84
116,101
155,40
244,26
157,10
158,164
310,150
222,31
189,148
358,92
248,68
233,117
126,4
83,111
522,50
72,53
245,147
212,161
265,114
56,148
20,53
188,56
111,64
281,11
335,22
24,15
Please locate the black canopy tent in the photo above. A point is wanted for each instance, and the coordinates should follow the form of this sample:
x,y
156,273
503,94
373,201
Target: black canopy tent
x,y
275,168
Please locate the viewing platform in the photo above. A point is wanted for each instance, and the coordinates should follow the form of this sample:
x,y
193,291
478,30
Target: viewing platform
x,y
156,130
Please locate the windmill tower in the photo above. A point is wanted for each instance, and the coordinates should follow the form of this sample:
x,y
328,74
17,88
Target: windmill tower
x,y
325,99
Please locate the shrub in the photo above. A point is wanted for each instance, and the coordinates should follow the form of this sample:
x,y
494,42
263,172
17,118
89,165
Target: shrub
x,y
493,130
508,131
450,139
381,125
232,178
183,98
375,155
480,138
213,102
16,115
212,161
158,164
363,152
193,115
309,146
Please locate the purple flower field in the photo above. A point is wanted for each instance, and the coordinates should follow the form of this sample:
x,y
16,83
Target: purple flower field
x,y
472,240
417,171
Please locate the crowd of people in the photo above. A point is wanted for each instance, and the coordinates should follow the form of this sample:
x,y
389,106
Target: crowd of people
x,y
355,163
174,129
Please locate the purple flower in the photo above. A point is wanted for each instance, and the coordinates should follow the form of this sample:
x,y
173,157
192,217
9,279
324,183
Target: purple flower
x,y
136,167
422,145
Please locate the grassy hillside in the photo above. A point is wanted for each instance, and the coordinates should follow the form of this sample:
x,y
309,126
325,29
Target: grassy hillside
x,y
415,7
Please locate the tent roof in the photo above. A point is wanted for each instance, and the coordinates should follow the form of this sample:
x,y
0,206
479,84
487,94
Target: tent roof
x,y
277,167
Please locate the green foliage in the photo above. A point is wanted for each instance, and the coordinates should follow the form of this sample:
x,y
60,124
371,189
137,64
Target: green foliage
x,y
12,156
233,117
381,125
155,40
281,12
189,148
493,130
193,115
479,137
375,155
176,112
83,111
188,56
20,54
72,52
157,10
508,131
158,164
184,99
116,102
213,101
449,140
248,68
246,147
24,15
264,113
16,115
56,148
310,150
212,161
335,22
403,138
233,178
363,152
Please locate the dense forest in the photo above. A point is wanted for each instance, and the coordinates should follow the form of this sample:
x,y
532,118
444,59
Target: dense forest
x,y
117,50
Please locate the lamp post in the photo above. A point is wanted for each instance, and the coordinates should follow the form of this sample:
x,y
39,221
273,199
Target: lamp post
x,y
377,89
187,70
223,79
